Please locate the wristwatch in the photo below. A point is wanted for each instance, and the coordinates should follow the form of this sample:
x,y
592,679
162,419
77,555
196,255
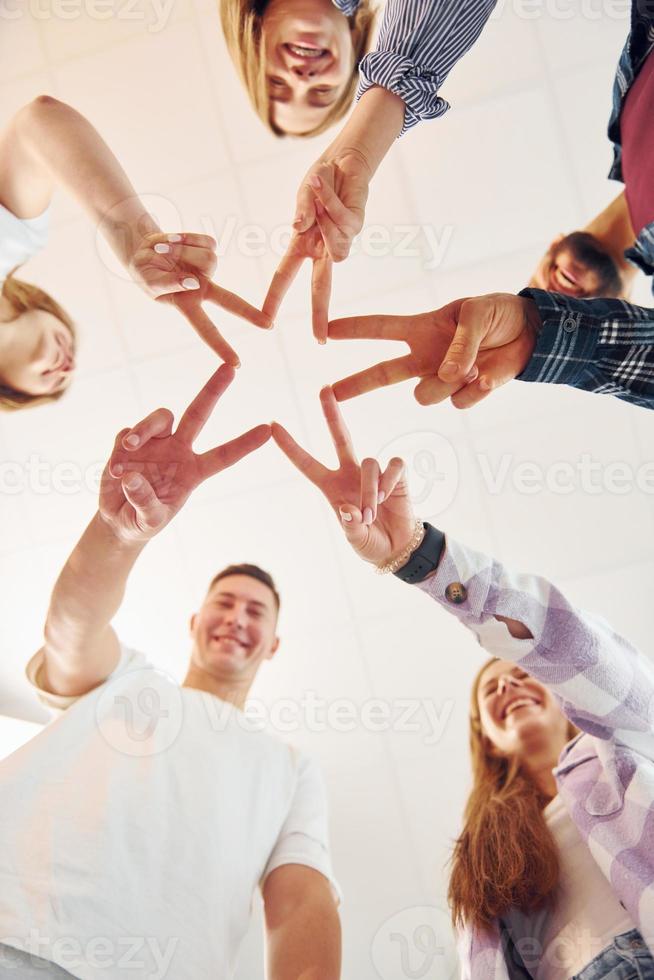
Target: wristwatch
x,y
424,560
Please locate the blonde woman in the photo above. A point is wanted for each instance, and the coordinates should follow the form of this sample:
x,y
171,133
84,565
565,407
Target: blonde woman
x,y
553,874
46,144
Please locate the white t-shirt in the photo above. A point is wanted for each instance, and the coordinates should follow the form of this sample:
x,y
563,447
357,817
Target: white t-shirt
x,y
136,827
586,917
20,239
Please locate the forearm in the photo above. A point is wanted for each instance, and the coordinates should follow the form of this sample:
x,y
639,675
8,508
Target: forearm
x,y
307,946
602,345
66,146
373,127
89,590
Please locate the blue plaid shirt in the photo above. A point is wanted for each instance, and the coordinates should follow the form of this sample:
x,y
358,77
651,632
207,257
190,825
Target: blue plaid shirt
x,y
419,43
604,345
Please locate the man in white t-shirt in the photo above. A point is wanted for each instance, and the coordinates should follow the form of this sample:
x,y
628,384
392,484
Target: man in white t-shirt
x,y
136,827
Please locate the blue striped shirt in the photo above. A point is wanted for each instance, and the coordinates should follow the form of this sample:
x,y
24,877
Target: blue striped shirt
x,y
419,43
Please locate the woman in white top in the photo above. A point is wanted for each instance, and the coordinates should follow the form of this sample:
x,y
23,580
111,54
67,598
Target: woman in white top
x,y
47,143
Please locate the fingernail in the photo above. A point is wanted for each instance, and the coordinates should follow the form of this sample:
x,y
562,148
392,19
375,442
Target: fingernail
x,y
174,238
345,516
367,515
162,248
133,481
322,342
381,496
132,440
484,385
315,180
450,367
118,470
190,283
299,219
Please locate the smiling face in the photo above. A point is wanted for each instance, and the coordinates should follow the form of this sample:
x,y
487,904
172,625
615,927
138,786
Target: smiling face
x,y
518,715
309,61
38,353
234,629
578,265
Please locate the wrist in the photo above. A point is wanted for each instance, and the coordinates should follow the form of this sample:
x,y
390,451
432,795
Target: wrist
x,y
112,540
373,127
532,327
125,226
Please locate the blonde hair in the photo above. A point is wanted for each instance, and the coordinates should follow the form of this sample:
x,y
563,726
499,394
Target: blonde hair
x,y
23,296
242,20
506,856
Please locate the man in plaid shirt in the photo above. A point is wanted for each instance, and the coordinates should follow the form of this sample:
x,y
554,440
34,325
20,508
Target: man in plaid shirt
x,y
601,345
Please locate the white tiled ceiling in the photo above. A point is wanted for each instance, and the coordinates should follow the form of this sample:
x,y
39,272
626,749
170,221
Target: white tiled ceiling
x,y
521,156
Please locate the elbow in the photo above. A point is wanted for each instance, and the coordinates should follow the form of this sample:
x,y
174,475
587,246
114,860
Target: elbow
x,y
37,112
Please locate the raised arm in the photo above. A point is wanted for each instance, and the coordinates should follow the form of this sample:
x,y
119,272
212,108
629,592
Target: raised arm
x,y
151,473
606,687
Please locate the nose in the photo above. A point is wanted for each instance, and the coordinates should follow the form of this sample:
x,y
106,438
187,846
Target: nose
x,y
304,71
506,681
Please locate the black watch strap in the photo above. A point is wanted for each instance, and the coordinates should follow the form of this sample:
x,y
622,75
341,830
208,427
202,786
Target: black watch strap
x,y
425,558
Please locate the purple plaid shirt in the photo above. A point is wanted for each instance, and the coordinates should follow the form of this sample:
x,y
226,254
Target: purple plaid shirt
x,y
605,686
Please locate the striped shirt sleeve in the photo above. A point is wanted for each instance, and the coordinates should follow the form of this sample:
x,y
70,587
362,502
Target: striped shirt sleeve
x,y
601,345
603,684
419,43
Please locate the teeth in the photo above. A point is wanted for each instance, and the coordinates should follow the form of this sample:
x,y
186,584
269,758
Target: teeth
x,y
518,704
305,52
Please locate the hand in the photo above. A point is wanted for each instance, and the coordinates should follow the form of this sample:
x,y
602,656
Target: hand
x,y
152,470
177,269
464,350
329,213
373,507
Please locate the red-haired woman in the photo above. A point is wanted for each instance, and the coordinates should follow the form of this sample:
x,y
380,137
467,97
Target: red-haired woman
x,y
46,144
553,874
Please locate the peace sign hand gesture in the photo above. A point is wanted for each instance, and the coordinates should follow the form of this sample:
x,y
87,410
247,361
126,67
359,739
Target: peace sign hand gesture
x,y
464,350
152,470
177,269
373,507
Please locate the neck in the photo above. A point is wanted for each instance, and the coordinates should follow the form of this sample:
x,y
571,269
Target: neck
x,y
541,773
614,230
233,691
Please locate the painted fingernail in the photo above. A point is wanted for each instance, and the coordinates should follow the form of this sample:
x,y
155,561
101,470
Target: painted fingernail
x,y
299,219
450,367
345,516
190,283
315,180
118,470
174,238
381,496
132,440
367,515
133,481
162,248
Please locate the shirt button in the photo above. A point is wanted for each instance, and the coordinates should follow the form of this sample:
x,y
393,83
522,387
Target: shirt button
x,y
569,324
636,943
456,593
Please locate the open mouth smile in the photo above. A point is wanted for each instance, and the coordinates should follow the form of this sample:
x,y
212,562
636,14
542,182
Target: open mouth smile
x,y
517,703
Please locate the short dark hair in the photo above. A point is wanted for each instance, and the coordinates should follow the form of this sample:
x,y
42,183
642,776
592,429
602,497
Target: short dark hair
x,y
588,249
253,571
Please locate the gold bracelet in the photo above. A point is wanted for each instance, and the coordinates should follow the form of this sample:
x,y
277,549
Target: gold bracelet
x,y
402,558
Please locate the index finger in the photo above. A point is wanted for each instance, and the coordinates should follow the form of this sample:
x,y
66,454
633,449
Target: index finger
x,y
321,290
207,331
235,304
304,461
374,327
337,427
194,418
281,281
380,376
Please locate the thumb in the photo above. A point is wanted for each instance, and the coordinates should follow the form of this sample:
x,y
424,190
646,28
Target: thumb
x,y
461,354
355,530
305,209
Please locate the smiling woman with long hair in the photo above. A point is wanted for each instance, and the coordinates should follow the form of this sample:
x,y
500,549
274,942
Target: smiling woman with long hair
x,y
553,872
